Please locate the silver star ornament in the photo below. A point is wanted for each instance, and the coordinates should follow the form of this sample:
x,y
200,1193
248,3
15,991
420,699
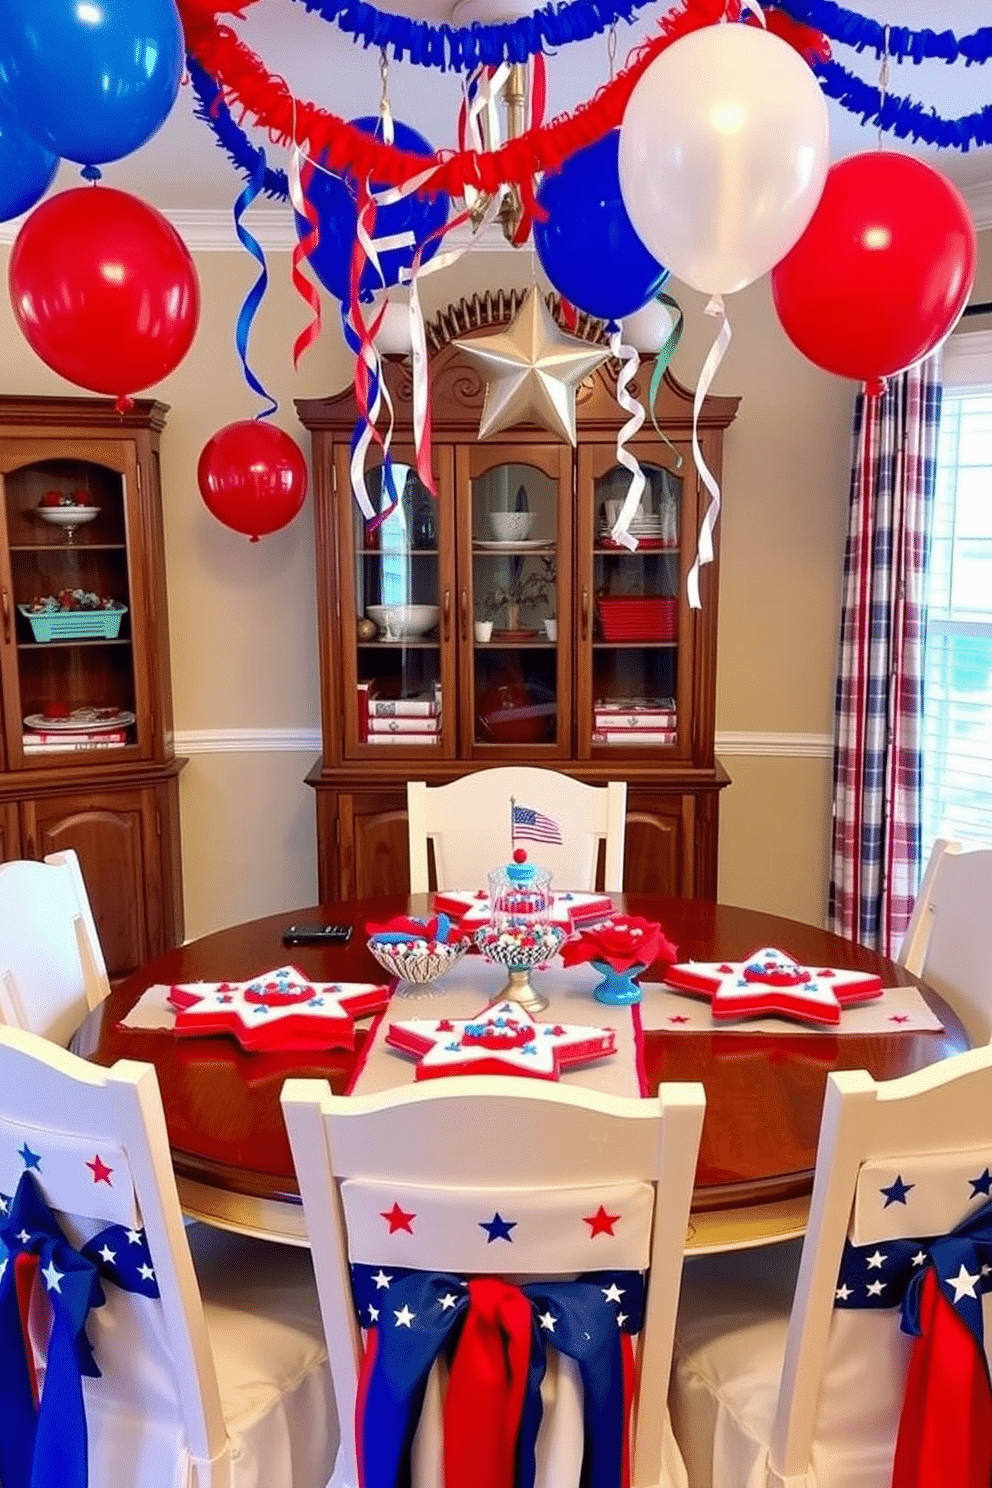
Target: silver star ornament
x,y
533,370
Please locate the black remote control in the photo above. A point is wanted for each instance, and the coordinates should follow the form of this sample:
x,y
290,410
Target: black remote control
x,y
316,935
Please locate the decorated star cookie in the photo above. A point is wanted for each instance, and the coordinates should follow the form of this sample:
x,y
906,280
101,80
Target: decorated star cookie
x,y
502,1039
279,1009
471,909
769,981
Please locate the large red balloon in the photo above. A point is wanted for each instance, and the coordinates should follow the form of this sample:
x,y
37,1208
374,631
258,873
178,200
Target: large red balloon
x,y
253,477
883,270
104,289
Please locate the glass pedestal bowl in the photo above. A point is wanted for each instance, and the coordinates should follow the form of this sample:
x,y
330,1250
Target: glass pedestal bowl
x,y
417,963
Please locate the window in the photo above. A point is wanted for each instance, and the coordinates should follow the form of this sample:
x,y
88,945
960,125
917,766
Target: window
x,y
957,723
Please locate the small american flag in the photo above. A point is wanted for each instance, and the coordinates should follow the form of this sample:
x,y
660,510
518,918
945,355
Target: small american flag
x,y
534,826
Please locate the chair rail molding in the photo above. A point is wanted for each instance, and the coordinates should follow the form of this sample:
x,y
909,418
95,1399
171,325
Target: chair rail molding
x,y
307,741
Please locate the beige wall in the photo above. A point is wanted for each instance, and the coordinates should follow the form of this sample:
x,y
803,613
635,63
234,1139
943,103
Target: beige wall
x,y
243,626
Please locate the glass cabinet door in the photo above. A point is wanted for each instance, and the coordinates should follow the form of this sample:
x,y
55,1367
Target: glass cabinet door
x,y
72,685
516,586
399,671
630,672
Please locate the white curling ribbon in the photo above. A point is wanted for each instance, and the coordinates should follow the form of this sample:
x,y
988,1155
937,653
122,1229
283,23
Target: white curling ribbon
x,y
629,363
704,545
420,400
486,101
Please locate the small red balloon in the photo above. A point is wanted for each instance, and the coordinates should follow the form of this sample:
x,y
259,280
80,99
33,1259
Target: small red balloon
x,y
882,272
104,290
520,855
253,477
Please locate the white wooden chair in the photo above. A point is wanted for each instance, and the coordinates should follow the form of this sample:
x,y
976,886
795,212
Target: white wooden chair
x,y
949,940
468,822
222,1380
773,1383
538,1158
52,970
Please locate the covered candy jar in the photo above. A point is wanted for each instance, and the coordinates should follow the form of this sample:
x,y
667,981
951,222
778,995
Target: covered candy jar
x,y
520,935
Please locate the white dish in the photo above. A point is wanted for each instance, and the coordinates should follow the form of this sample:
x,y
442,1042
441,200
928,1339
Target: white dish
x,y
403,622
67,516
514,547
80,722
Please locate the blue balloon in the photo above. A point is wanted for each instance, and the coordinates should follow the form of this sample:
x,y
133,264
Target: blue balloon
x,y
334,200
90,80
587,246
26,170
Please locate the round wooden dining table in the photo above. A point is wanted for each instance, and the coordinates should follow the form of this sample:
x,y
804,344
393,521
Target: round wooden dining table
x,y
764,1093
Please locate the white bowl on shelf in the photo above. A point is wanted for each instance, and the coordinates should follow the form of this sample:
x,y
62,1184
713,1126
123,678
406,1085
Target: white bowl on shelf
x,y
511,526
403,622
67,516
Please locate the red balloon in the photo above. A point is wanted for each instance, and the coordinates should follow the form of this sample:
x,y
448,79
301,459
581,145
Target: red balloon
x,y
882,272
104,289
253,477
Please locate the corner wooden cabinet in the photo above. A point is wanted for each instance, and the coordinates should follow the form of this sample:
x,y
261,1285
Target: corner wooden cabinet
x,y
500,623
86,745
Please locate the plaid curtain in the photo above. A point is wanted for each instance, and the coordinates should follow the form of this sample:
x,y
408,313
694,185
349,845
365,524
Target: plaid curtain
x,y
878,714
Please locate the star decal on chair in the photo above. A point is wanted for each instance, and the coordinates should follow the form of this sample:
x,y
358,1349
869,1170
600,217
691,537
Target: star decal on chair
x,y
896,1192
101,1173
278,1010
600,1223
498,1228
769,981
502,1039
398,1219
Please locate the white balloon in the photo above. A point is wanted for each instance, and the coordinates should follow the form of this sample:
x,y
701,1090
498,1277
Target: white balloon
x,y
393,336
724,150
649,328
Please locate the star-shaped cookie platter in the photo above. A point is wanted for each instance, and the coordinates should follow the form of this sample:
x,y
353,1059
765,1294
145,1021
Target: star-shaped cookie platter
x,y
769,981
502,1039
277,1010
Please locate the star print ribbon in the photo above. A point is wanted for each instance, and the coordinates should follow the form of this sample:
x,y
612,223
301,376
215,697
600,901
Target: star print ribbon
x,y
496,1335
43,1442
945,1428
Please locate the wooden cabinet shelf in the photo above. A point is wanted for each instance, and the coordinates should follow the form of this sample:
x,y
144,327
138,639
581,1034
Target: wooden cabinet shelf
x,y
116,805
460,704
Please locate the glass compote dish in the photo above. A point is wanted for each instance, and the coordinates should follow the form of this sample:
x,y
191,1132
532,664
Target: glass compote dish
x,y
520,934
417,952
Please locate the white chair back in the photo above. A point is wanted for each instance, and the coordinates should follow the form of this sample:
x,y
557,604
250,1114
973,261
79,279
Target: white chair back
x,y
949,940
52,970
95,1143
468,822
844,1371
501,1176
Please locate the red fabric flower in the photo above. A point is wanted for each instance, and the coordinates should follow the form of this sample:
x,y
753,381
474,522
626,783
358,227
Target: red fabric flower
x,y
404,925
622,942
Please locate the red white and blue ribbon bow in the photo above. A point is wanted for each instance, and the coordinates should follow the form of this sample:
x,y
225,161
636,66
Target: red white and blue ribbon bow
x,y
43,1441
945,1428
495,1336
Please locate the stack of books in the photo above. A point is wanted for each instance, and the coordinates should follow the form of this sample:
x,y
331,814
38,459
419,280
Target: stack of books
x,y
43,741
399,720
634,721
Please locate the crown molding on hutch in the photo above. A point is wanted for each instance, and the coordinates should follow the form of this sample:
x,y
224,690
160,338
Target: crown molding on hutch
x,y
307,741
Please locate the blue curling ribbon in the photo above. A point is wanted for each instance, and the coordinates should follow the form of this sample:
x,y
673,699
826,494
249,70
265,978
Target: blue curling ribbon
x,y
47,1447
903,43
255,295
585,1329
462,49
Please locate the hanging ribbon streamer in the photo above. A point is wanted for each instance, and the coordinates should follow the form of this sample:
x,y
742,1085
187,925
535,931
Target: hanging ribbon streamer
x,y
298,166
498,1365
704,545
44,1441
665,353
256,294
629,363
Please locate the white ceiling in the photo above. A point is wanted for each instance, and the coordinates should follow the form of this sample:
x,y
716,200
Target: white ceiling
x,y
184,172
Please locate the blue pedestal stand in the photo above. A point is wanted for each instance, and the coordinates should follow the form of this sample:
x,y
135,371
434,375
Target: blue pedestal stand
x,y
618,988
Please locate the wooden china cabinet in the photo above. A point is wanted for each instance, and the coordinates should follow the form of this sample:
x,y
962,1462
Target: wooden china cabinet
x,y
103,780
595,664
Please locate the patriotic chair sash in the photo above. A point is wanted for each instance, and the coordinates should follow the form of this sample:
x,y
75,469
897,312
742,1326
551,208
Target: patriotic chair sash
x,y
883,1360
43,1437
495,1336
